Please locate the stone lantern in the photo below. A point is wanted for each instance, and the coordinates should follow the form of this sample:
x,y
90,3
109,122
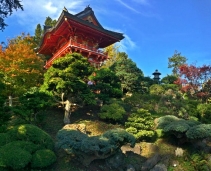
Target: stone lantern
x,y
156,76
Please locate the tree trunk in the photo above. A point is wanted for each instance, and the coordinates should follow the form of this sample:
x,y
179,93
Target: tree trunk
x,y
10,100
67,112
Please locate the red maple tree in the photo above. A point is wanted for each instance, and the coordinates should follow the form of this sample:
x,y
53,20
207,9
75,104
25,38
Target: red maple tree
x,y
195,81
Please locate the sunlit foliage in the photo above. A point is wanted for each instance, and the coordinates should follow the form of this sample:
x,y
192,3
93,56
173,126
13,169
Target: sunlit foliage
x,y
20,65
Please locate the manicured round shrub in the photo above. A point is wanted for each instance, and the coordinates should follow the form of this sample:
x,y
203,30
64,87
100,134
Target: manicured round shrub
x,y
140,124
14,157
112,111
165,120
24,145
4,139
119,137
199,131
25,141
177,126
43,158
17,154
33,134
88,148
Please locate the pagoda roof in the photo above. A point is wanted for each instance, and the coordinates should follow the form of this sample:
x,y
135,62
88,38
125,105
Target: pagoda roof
x,y
88,12
85,19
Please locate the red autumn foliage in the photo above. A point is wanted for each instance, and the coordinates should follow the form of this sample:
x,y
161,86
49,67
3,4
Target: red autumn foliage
x,y
195,81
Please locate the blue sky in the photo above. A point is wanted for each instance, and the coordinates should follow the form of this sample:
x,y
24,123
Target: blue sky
x,y
153,29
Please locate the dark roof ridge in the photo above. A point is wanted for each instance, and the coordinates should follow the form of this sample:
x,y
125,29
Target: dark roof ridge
x,y
87,9
65,14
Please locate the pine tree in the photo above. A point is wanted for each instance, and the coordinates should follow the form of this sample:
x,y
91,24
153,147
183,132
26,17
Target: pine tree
x,y
50,22
128,73
176,61
38,34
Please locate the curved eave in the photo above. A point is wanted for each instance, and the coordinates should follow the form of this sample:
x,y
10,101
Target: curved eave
x,y
115,36
88,12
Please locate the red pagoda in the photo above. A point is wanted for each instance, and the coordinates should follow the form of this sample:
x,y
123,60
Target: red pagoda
x,y
80,33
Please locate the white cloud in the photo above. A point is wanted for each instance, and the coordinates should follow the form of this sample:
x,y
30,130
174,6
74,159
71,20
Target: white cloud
x,y
50,8
143,7
126,44
36,11
127,6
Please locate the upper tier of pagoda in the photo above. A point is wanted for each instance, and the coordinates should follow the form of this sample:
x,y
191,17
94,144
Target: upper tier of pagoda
x,y
80,33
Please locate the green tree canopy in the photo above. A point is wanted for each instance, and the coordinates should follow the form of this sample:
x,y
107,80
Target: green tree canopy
x,y
156,89
38,34
128,73
113,54
66,79
49,21
169,79
175,61
107,84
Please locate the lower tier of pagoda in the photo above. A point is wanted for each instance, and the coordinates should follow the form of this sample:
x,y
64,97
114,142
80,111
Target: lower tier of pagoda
x,y
95,56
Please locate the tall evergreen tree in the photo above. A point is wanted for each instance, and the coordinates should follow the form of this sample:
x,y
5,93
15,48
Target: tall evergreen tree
x,y
128,73
176,61
38,34
39,30
49,21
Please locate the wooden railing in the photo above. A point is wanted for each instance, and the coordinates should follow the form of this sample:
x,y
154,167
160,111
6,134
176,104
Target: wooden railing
x,y
73,43
12,101
86,47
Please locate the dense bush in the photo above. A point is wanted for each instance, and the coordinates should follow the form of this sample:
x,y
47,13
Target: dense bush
x,y
32,105
166,120
199,131
140,124
121,102
43,158
145,101
15,158
173,103
113,112
199,161
31,133
88,148
156,89
179,127
204,111
4,139
17,154
190,129
23,144
5,111
107,83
